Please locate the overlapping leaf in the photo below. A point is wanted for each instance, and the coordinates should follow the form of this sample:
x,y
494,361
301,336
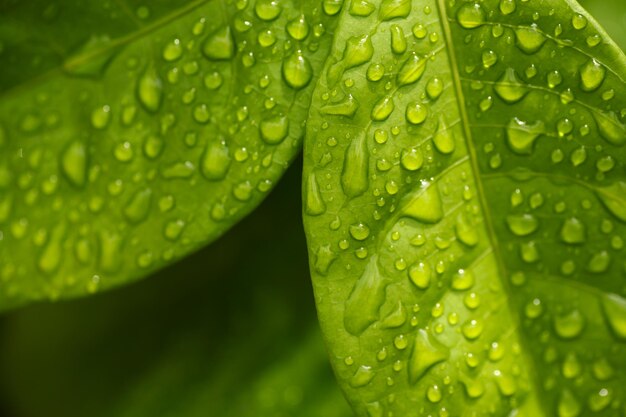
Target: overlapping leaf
x,y
466,212
132,134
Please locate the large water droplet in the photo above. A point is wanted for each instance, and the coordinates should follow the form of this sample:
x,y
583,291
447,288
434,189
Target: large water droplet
x,y
530,39
383,109
365,300
138,206
614,308
150,89
314,204
274,130
427,352
521,136
420,275
573,231
297,71
412,70
444,139
591,75
522,224
355,168
509,88
215,160
267,9
362,377
569,325
610,127
470,15
424,204
74,163
219,45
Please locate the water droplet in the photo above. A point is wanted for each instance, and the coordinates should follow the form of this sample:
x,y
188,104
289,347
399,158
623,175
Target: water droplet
x,y
346,107
359,231
472,329
599,262
297,71
355,168
332,7
424,204
489,58
298,28
579,21
471,15
383,109
521,136
124,152
522,224
610,127
219,45
391,9
267,9
274,130
412,159
530,39
215,160
600,400
412,70
100,117
52,254
591,75
110,251
420,275
434,394
614,308
507,6
362,377
573,231
443,139
314,204
362,8
138,206
324,257
434,88
463,280
173,50
74,163
396,319
398,41
365,300
150,90
509,88
358,50
529,252
416,113
569,325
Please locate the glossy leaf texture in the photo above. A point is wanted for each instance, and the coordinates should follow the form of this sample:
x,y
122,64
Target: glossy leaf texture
x,y
132,134
464,192
225,342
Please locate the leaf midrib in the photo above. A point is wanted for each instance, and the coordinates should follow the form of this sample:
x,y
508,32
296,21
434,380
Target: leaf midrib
x,y
115,43
473,160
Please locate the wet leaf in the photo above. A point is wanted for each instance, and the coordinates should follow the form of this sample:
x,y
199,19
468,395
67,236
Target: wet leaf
x,y
136,134
466,223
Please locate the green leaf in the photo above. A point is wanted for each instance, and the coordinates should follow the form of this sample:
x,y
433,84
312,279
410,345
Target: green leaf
x,y
132,135
466,219
235,341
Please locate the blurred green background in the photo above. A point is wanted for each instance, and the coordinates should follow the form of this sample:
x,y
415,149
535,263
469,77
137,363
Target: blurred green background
x,y
228,332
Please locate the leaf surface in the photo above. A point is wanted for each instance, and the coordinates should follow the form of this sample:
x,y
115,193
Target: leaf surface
x,y
132,134
464,190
